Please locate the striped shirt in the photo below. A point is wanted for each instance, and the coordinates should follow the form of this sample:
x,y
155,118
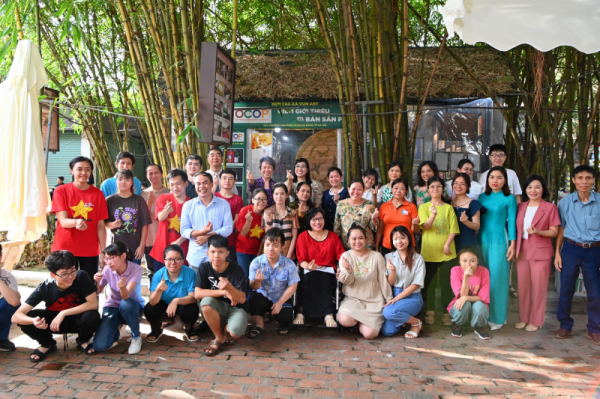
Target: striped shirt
x,y
286,223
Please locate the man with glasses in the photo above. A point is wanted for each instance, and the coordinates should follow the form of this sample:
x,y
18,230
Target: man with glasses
x,y
466,166
71,306
203,217
215,160
167,211
497,158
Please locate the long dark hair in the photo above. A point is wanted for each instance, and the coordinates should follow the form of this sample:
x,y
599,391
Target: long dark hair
x,y
284,188
505,188
127,174
434,168
117,248
304,161
465,177
309,202
531,179
410,249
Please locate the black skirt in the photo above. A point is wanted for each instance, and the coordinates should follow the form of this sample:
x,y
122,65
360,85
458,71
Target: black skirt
x,y
316,294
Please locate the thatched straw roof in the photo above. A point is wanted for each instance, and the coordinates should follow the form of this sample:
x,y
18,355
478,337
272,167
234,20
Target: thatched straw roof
x,y
293,75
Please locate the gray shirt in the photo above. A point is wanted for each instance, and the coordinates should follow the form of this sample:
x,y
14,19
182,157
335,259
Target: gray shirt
x,y
404,276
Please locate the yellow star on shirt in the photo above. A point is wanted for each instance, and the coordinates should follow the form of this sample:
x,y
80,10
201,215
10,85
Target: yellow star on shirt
x,y
256,231
81,210
174,223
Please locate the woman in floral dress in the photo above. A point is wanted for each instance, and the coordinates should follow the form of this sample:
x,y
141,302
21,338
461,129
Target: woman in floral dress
x,y
356,210
426,170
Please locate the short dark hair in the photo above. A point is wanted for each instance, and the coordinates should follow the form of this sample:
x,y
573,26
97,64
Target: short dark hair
x,y
469,250
59,260
145,183
497,147
394,164
61,178
274,235
462,163
258,191
505,188
403,181
158,166
584,169
356,226
465,177
216,149
434,168
268,160
76,160
125,154
334,169
227,172
206,174
117,248
312,212
372,172
193,157
304,161
218,241
359,181
532,178
177,172
434,179
175,248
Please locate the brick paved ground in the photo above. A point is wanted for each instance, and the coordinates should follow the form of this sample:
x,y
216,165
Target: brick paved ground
x,y
319,363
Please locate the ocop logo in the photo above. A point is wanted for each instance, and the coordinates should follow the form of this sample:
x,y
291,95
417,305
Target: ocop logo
x,y
252,115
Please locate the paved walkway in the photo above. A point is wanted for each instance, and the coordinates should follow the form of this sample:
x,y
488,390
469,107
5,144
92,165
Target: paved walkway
x,y
319,363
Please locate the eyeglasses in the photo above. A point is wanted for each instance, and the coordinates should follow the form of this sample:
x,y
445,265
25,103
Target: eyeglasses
x,y
498,155
65,276
260,199
173,260
301,166
467,170
317,220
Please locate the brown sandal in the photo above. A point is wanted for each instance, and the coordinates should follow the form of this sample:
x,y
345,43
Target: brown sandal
x,y
213,348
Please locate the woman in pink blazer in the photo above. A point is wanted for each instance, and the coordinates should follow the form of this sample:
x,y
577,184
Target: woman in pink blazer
x,y
537,224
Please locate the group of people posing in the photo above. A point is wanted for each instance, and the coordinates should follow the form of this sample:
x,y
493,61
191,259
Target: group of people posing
x,y
282,256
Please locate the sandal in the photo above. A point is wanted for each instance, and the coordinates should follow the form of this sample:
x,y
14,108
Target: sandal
x,y
514,293
256,332
154,336
213,348
229,340
89,350
283,330
299,319
412,334
430,317
192,336
330,321
41,355
267,317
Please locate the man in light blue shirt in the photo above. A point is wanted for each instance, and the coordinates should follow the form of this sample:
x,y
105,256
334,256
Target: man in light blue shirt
x,y
203,217
125,160
578,248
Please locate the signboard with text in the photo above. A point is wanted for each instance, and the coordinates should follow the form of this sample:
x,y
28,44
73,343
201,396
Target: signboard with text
x,y
289,114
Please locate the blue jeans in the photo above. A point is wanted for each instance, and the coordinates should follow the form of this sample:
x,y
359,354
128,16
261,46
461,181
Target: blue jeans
x,y
588,259
137,261
6,312
129,312
244,261
399,313
475,313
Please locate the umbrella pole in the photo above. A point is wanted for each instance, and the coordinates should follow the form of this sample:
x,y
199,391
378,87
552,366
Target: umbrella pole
x,y
48,132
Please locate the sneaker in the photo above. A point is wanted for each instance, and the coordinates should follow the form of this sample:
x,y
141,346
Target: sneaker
x,y
136,345
457,330
6,346
482,333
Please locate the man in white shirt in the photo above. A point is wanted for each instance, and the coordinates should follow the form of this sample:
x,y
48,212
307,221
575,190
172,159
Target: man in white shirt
x,y
215,160
497,157
466,166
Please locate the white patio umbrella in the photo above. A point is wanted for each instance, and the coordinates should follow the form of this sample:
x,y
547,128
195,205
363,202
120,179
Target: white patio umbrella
x,y
544,24
24,195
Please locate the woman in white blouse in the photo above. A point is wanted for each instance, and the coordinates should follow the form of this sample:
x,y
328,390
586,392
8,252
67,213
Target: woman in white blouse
x,y
406,273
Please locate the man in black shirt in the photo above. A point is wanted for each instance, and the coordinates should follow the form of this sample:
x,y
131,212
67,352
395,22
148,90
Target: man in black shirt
x,y
71,306
221,287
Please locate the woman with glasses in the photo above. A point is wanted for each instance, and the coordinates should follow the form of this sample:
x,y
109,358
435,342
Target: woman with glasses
x,y
302,205
250,230
124,303
318,252
172,294
300,174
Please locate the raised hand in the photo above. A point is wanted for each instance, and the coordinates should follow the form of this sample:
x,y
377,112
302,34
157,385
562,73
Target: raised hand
x,y
433,210
208,228
162,286
374,191
390,266
98,278
469,272
346,265
416,221
289,175
80,224
168,207
259,276
40,323
463,217
532,230
336,197
249,176
224,284
122,283
248,216
269,216
117,224
375,215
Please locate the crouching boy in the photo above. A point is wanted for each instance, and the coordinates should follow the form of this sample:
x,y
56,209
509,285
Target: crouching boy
x,y
274,279
221,288
71,306
471,286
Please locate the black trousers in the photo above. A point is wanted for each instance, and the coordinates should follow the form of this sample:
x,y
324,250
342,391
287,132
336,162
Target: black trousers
x,y
434,272
149,262
84,325
156,314
88,264
259,305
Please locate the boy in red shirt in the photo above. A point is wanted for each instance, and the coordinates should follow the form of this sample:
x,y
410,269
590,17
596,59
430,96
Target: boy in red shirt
x,y
168,213
226,184
81,210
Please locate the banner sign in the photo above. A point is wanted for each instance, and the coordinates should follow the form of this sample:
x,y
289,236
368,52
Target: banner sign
x,y
300,114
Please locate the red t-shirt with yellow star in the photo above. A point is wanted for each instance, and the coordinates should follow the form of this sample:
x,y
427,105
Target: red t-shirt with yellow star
x,y
89,205
251,243
169,230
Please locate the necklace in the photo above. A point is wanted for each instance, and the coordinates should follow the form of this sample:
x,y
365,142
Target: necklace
x,y
460,205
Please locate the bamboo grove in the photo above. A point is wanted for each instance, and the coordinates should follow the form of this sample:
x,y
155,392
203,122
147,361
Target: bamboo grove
x,y
134,65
